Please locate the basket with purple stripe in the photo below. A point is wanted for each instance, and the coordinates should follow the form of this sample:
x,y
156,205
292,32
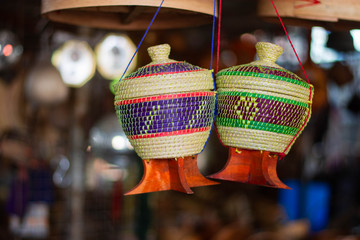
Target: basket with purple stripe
x,y
166,108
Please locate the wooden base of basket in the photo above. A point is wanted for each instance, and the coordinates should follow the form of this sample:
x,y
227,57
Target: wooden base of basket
x,y
251,166
171,174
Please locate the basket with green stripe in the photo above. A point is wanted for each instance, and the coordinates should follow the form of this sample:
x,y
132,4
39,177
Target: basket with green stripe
x,y
262,106
166,109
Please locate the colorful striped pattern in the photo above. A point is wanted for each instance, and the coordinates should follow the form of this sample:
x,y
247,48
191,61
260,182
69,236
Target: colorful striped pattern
x,y
265,72
167,134
248,124
164,97
160,69
260,112
263,96
175,115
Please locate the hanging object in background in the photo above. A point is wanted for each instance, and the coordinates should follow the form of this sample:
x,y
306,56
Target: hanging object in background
x,y
108,140
35,223
128,14
109,143
341,41
113,54
14,145
328,13
61,166
10,49
166,109
262,110
44,85
75,61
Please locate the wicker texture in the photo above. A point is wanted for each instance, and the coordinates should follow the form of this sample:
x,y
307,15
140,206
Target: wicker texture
x,y
166,108
150,79
262,106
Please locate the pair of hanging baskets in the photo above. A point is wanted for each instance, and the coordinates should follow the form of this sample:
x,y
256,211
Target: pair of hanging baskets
x,y
167,109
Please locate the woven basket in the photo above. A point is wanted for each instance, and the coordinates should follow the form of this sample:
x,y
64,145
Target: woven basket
x,y
261,105
166,108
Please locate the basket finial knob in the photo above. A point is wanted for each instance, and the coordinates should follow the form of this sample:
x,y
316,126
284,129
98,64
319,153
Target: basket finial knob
x,y
268,52
159,52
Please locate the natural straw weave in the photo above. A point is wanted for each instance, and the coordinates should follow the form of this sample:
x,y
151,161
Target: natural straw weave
x,y
163,76
262,106
170,147
166,108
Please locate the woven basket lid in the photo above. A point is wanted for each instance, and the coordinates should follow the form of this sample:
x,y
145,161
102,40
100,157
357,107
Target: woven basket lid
x,y
264,75
163,76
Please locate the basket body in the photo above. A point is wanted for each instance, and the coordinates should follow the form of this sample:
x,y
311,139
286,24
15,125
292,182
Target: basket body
x,y
166,108
261,105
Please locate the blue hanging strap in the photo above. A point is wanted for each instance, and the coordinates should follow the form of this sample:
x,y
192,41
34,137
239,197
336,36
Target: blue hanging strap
x,y
142,39
213,38
212,55
211,66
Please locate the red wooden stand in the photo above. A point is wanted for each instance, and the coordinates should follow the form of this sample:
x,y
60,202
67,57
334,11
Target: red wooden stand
x,y
251,166
171,174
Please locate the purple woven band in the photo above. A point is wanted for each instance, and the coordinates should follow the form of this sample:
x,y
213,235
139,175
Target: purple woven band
x,y
166,115
160,119
261,110
167,127
176,67
186,110
244,69
128,109
181,104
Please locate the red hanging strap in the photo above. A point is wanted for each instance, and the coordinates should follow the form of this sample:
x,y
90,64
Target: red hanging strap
x,y
303,69
218,58
218,38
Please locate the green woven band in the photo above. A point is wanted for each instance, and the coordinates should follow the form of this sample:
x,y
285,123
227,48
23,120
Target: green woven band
x,y
262,75
230,122
257,95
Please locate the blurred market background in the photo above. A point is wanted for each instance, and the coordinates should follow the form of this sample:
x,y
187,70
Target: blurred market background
x,y
65,161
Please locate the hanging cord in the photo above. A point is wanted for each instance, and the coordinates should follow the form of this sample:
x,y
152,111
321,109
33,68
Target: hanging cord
x,y
142,39
213,74
217,63
212,56
213,38
282,155
218,38
212,48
